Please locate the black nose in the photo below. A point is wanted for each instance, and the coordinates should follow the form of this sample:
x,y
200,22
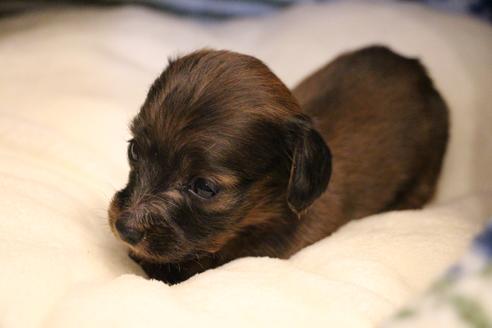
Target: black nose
x,y
126,232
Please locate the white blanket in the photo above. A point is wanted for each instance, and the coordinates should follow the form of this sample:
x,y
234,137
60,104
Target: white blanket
x,y
71,80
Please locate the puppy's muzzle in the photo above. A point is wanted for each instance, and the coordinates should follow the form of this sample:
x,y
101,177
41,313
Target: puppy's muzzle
x,y
128,233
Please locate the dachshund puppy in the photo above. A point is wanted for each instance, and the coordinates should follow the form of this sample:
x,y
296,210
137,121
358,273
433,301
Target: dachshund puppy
x,y
226,162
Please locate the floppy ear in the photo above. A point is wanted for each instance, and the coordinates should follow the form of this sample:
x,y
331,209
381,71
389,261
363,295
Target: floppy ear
x,y
311,164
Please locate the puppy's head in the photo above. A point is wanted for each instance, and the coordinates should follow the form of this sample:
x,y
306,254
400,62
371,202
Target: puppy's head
x,y
219,144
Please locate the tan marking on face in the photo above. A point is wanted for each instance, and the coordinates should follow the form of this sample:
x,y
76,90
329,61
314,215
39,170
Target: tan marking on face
x,y
223,202
113,213
227,180
220,241
174,195
263,209
260,214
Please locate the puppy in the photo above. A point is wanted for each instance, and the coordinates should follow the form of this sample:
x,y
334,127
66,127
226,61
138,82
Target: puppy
x,y
226,162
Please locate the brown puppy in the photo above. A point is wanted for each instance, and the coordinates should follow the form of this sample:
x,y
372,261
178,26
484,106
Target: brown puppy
x,y
226,162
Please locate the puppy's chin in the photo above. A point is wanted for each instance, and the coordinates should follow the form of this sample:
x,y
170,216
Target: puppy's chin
x,y
142,254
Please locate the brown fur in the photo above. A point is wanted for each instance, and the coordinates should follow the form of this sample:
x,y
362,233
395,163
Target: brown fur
x,y
226,118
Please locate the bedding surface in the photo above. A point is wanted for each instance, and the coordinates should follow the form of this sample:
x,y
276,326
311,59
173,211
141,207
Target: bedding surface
x,y
70,82
460,298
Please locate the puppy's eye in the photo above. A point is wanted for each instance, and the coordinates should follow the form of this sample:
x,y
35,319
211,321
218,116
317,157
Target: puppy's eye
x,y
132,151
204,188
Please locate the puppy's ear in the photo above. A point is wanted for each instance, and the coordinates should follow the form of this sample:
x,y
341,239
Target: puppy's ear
x,y
311,164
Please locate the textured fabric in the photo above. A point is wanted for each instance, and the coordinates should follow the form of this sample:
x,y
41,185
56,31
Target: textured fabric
x,y
462,298
71,81
234,8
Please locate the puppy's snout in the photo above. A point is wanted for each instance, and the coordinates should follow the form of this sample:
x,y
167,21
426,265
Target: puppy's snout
x,y
128,233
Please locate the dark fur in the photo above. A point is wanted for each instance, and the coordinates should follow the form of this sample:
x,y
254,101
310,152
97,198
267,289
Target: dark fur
x,y
226,117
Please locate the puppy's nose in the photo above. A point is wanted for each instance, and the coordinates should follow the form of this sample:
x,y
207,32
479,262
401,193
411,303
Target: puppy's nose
x,y
126,232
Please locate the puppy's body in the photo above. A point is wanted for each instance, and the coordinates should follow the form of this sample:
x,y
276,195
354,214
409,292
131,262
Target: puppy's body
x,y
383,121
387,128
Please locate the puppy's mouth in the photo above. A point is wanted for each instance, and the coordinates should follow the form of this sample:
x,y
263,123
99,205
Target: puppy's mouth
x,y
143,249
161,248
143,253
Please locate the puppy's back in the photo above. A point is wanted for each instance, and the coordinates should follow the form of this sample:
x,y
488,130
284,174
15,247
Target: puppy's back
x,y
387,128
